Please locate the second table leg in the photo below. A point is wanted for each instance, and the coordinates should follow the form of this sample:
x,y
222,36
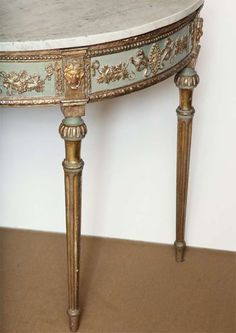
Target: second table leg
x,y
186,81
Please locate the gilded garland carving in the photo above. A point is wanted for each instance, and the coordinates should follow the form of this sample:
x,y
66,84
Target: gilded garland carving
x,y
141,84
22,82
148,64
109,74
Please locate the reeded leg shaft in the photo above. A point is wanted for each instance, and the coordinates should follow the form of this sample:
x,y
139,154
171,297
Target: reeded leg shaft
x,y
186,81
73,130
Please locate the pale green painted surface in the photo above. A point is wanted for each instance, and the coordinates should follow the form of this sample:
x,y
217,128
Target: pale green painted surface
x,y
73,121
123,57
32,68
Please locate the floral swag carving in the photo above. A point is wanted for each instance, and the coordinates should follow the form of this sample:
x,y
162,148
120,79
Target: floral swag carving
x,y
22,82
148,64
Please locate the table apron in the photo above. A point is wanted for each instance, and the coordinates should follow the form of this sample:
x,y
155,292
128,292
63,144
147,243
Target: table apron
x,y
96,72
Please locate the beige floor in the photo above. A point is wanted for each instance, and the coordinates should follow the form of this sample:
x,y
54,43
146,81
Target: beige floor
x,y
126,287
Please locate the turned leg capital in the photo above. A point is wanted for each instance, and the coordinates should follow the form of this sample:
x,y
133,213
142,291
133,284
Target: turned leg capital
x,y
187,79
72,129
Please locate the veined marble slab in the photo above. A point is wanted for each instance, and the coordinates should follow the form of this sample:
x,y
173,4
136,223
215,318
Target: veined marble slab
x,y
51,24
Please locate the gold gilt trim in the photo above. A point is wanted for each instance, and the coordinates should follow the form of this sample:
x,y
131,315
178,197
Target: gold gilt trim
x,y
31,56
59,86
29,102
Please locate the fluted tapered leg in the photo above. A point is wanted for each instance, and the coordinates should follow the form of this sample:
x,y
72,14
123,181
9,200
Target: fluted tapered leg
x,y
73,130
186,81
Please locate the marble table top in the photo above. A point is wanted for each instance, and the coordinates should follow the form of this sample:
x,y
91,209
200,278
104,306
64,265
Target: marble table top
x,y
51,24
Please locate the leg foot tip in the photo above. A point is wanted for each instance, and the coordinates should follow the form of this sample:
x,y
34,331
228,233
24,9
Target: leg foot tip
x,y
179,251
73,319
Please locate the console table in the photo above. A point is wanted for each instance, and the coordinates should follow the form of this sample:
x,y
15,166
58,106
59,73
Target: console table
x,y
75,52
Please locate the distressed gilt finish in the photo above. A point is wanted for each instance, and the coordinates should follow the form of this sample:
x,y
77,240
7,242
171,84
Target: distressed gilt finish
x,y
73,130
73,77
186,81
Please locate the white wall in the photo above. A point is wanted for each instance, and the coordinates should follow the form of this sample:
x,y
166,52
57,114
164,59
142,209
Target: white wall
x,y
130,153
